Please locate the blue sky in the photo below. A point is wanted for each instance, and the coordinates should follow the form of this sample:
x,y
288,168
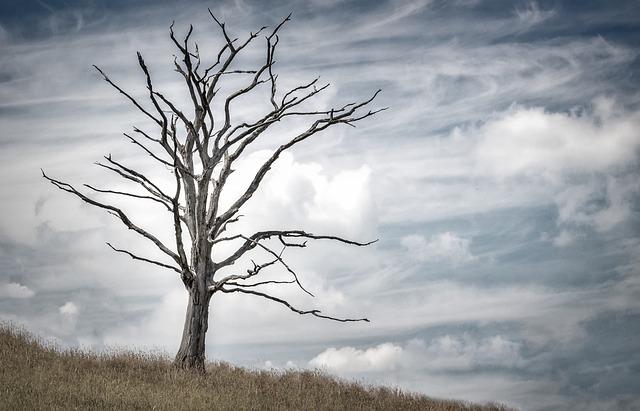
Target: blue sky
x,y
503,184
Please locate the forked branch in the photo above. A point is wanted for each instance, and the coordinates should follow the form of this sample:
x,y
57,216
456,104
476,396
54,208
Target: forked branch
x,y
253,241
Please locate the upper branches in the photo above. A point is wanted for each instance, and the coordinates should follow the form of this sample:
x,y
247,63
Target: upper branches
x,y
348,114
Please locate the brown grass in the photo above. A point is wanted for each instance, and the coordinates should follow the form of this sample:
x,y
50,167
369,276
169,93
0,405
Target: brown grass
x,y
38,376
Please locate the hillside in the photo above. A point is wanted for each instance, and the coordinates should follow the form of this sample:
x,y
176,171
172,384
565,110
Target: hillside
x,y
38,376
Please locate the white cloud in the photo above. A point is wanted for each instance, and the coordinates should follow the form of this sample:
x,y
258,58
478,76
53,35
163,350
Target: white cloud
x,y
445,246
68,310
69,313
442,353
600,203
349,359
15,290
534,142
306,195
582,161
523,156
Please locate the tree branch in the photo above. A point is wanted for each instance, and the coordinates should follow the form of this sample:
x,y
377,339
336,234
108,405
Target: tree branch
x,y
147,260
316,313
122,193
131,174
250,273
252,241
260,283
317,126
133,100
114,211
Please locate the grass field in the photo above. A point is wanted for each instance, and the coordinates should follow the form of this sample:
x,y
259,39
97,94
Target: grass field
x,y
39,376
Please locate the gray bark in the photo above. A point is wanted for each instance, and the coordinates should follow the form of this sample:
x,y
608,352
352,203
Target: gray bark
x,y
191,353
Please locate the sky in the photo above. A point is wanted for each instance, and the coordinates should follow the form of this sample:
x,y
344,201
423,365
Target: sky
x,y
502,183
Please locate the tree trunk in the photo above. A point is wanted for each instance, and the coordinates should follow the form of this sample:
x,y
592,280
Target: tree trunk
x,y
191,354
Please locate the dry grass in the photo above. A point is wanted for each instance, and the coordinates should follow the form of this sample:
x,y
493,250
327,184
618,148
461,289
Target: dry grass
x,y
38,376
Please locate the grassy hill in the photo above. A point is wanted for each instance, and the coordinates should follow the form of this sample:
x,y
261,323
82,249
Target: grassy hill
x,y
37,376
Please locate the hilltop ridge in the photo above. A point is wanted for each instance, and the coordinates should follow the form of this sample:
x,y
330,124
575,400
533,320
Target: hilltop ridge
x,y
36,375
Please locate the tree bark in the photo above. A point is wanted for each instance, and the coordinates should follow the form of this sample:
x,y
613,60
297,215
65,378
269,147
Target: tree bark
x,y
191,354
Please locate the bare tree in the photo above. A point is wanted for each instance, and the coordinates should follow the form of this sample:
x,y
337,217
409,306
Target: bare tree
x,y
201,150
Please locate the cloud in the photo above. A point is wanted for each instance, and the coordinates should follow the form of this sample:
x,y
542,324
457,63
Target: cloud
x,y
69,313
445,246
537,143
446,352
463,353
564,239
531,14
583,161
69,310
271,365
600,203
379,358
15,290
300,194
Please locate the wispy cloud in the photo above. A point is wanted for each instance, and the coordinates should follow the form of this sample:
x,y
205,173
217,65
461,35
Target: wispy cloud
x,y
531,14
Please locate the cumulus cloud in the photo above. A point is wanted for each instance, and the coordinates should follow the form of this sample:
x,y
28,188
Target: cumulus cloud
x,y
537,143
300,194
446,352
15,290
445,246
581,160
379,358
69,310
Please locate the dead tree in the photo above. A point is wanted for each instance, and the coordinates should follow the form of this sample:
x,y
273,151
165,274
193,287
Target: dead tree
x,y
200,150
